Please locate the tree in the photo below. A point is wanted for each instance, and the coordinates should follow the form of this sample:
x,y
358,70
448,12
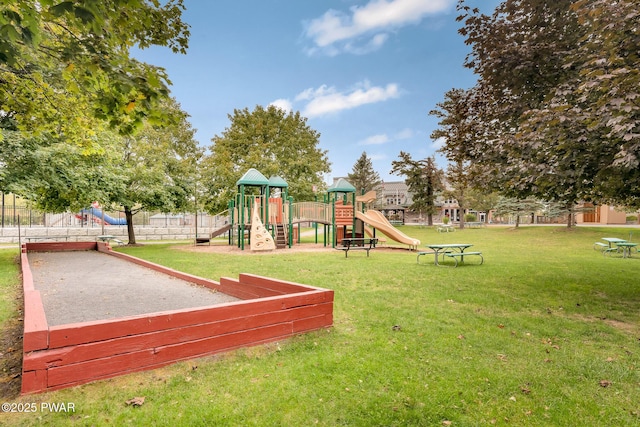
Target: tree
x,y
517,207
424,180
52,174
271,141
363,176
155,169
158,168
554,109
66,64
458,133
481,200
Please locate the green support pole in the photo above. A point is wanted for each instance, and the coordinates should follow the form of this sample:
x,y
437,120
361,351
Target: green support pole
x,y
290,199
242,218
333,222
353,225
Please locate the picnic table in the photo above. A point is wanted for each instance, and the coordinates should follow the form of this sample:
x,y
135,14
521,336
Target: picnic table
x,y
626,248
613,240
453,250
621,245
445,228
108,237
357,243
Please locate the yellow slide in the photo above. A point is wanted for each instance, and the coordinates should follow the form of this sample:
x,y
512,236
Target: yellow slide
x,y
379,222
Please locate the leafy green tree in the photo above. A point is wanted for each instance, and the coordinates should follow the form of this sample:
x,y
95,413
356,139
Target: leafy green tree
x,y
517,207
52,174
481,200
66,64
457,131
158,168
155,169
271,141
554,111
363,176
424,179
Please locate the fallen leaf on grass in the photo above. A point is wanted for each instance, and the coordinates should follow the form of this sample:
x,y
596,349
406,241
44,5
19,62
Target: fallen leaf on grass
x,y
136,401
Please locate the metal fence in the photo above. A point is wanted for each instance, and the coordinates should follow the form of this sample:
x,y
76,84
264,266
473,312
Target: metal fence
x,y
14,216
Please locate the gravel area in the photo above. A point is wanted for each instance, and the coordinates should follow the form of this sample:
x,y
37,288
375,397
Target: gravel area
x,y
83,286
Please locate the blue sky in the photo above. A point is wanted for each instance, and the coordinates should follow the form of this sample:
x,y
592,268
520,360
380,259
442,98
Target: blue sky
x,y
365,73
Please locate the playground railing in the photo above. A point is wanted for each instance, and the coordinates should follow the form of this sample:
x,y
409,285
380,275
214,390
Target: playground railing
x,y
312,212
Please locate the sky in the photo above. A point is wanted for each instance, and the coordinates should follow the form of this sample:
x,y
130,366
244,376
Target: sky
x,y
365,73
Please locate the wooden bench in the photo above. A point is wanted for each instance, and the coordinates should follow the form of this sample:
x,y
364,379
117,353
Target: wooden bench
x,y
461,255
202,240
352,244
54,238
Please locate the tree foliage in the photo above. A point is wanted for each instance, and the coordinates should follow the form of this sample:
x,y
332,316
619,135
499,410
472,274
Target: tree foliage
x,y
363,176
554,114
66,64
158,167
52,174
517,207
154,169
270,140
457,130
423,178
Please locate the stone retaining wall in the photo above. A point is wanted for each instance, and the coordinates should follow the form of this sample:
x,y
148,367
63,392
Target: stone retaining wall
x,y
88,234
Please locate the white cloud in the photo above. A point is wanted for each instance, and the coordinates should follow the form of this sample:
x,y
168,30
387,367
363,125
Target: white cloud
x,y
367,26
439,143
405,134
326,100
375,140
377,157
283,104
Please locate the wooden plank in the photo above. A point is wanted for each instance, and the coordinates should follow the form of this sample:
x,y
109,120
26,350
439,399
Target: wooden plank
x,y
34,381
36,331
60,246
312,323
90,370
211,284
276,285
234,288
78,333
140,342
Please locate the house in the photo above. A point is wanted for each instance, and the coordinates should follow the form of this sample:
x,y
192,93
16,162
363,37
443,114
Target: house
x,y
601,214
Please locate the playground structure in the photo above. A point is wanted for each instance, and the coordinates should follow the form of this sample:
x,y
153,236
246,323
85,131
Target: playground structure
x,y
96,214
266,218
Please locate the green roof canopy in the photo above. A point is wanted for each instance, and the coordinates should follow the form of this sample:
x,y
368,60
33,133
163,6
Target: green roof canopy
x,y
253,177
341,186
277,182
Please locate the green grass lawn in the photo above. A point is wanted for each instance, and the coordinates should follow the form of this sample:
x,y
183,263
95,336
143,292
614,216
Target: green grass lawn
x,y
546,332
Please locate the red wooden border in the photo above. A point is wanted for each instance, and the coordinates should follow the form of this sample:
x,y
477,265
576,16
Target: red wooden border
x,y
67,355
